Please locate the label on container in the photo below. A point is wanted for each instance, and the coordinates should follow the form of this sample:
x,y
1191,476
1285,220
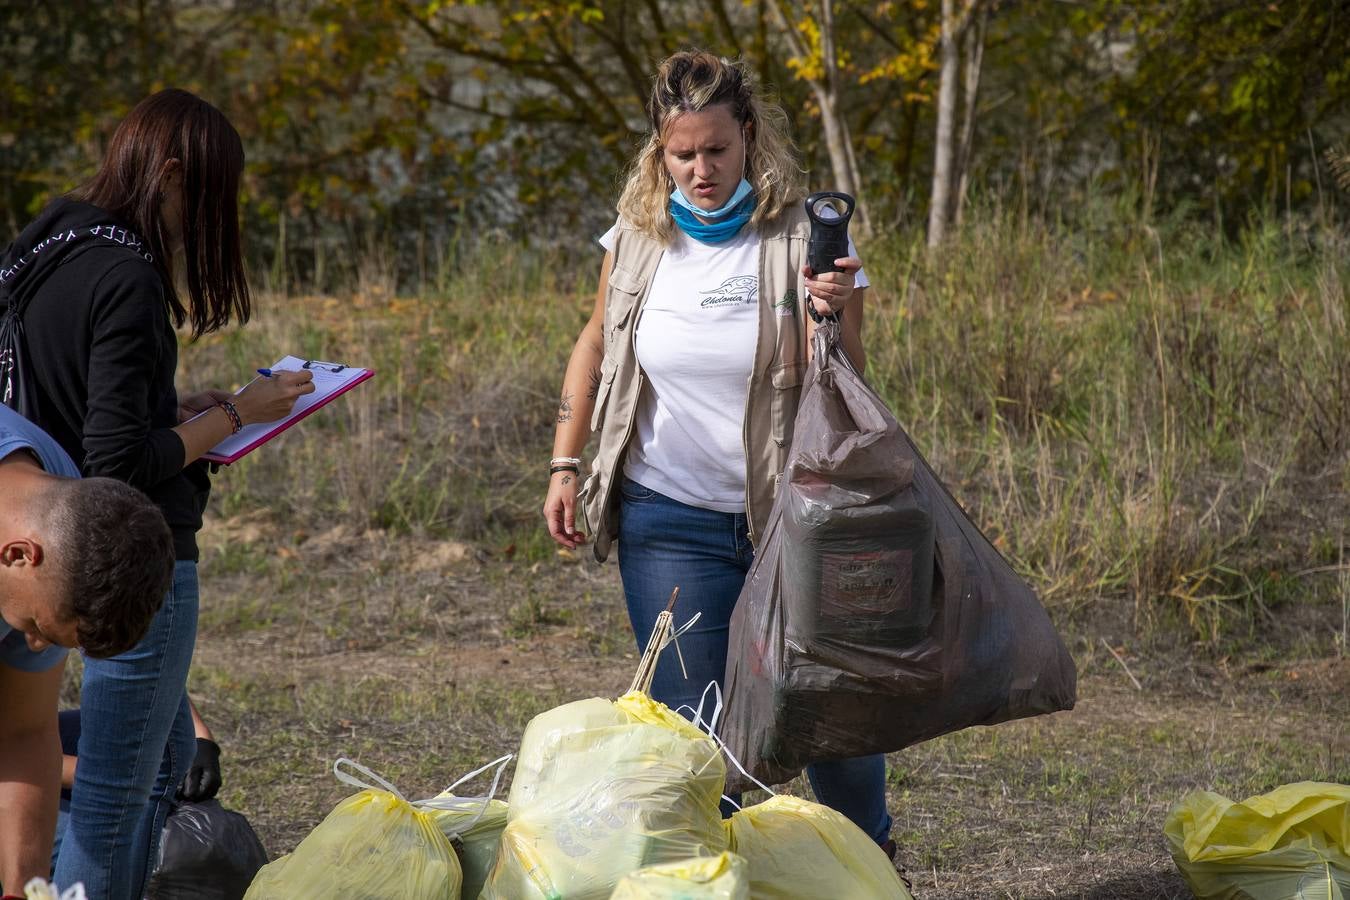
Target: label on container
x,y
866,583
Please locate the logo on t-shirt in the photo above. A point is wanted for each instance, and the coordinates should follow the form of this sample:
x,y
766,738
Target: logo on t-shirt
x,y
736,289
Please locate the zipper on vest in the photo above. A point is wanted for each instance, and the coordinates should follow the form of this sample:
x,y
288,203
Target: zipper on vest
x,y
750,524
622,453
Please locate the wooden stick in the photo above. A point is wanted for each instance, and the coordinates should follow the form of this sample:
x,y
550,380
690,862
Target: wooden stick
x,y
1119,659
656,642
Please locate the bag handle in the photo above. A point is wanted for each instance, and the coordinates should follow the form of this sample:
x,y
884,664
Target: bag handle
x,y
828,348
709,725
461,803
379,785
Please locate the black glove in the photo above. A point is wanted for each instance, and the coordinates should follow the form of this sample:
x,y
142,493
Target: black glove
x,y
203,779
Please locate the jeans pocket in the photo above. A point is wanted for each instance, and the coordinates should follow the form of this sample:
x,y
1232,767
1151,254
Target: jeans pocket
x,y
633,492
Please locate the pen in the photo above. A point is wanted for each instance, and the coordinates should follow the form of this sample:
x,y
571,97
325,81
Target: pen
x,y
266,373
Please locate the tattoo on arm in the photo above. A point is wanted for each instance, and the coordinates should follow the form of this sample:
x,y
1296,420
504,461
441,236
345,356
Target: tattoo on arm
x,y
593,383
565,409
567,479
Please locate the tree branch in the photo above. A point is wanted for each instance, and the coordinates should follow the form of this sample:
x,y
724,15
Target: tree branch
x,y
795,42
637,76
545,70
659,23
719,11
583,75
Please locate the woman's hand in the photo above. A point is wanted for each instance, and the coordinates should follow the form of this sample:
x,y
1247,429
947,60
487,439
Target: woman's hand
x,y
830,291
560,509
269,399
198,403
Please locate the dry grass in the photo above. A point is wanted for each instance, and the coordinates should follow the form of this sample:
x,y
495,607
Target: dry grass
x,y
423,671
1151,425
1153,428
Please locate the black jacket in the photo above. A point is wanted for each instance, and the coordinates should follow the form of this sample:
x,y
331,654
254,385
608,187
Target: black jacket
x,y
102,350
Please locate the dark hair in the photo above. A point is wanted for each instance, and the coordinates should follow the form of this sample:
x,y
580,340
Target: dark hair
x,y
175,124
117,555
692,80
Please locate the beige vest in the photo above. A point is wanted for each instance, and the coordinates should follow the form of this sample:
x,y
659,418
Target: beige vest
x,y
775,377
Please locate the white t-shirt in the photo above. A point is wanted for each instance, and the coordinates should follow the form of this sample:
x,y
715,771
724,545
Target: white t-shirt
x,y
696,345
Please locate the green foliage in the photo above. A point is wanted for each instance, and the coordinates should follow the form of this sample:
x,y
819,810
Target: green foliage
x,y
1234,90
69,68
415,125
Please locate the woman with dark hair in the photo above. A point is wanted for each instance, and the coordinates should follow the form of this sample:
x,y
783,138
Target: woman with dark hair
x,y
99,281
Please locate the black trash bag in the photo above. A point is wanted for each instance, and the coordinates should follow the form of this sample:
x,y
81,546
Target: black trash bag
x,y
876,615
206,853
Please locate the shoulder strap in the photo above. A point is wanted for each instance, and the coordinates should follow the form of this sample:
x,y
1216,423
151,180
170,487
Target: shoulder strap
x,y
89,237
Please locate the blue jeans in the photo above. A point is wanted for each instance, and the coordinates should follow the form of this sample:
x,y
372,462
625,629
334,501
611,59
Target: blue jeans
x,y
664,543
136,744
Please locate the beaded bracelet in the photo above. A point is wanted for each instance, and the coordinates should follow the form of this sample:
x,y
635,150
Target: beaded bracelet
x,y
236,423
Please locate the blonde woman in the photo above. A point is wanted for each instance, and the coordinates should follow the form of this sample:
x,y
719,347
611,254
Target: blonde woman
x,y
690,369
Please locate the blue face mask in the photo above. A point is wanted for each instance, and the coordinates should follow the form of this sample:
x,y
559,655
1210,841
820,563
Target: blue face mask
x,y
727,221
743,190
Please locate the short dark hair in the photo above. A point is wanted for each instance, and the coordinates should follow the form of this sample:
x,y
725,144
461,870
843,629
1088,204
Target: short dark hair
x,y
116,554
176,124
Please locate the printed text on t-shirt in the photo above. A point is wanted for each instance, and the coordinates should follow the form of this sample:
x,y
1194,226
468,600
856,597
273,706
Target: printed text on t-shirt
x,y
736,289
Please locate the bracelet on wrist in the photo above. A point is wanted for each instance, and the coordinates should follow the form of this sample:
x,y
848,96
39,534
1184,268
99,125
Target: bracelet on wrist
x,y
565,461
236,423
554,470
816,317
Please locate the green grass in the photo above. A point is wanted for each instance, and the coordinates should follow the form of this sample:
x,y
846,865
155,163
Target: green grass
x,y
1065,805
1152,423
286,732
1144,420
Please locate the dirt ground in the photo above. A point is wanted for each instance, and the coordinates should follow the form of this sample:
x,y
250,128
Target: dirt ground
x,y
424,659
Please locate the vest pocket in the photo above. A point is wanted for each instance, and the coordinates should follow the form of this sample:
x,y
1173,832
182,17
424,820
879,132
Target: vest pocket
x,y
608,367
787,391
620,301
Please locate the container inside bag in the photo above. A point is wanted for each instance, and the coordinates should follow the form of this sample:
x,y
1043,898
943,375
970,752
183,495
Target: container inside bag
x,y
876,615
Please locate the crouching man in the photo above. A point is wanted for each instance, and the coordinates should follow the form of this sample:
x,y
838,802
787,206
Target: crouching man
x,y
83,563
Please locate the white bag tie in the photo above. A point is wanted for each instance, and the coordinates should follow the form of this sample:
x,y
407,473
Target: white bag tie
x,y
380,784
464,803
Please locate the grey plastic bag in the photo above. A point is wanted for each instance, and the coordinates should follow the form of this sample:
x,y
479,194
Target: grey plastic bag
x,y
876,615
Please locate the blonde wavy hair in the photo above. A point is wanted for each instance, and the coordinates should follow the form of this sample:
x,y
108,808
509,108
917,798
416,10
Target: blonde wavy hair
x,y
694,80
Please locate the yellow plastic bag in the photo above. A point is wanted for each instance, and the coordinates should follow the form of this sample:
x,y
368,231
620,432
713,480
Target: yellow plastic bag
x,y
601,789
720,877
1291,842
373,845
473,825
798,850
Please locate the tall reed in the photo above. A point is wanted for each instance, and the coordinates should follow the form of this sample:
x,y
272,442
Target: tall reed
x,y
1148,421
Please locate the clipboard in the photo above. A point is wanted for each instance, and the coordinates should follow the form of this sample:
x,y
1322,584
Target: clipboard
x,y
331,380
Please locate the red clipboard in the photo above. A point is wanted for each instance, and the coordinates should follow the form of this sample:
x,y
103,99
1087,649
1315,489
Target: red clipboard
x,y
331,380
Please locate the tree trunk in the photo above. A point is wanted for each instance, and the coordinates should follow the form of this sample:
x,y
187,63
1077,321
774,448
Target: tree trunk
x,y
838,142
974,52
943,170
837,137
